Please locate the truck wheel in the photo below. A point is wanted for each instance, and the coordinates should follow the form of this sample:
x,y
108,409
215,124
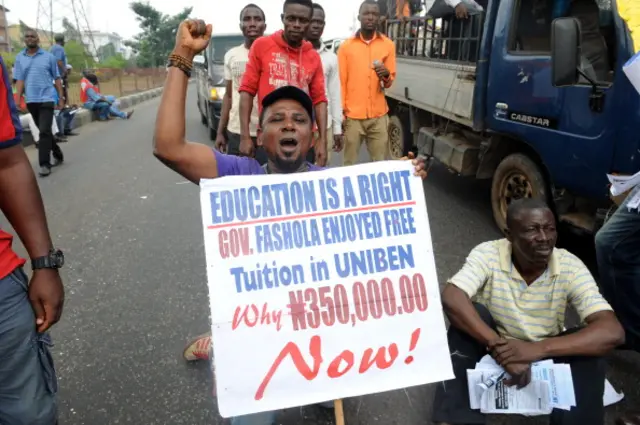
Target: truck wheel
x,y
203,117
516,177
399,137
212,132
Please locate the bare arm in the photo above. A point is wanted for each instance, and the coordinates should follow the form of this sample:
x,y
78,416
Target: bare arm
x,y
463,315
194,161
59,89
321,118
227,102
246,108
19,88
602,334
21,201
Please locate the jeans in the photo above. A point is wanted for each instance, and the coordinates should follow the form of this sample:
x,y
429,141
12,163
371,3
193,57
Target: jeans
x,y
105,109
64,119
618,253
42,114
28,383
451,404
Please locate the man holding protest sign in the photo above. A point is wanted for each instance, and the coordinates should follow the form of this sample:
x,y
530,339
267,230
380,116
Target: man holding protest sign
x,y
285,132
285,59
522,285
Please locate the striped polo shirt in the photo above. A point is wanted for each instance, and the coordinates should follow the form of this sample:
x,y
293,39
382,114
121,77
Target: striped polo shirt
x,y
528,312
38,71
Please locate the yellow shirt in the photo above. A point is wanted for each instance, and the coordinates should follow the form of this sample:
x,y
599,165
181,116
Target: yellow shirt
x,y
362,96
630,13
528,312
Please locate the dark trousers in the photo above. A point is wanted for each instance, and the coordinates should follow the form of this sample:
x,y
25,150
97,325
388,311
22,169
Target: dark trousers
x,y
451,404
42,114
233,147
618,252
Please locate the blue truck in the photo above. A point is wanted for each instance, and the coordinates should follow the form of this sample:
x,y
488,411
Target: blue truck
x,y
494,96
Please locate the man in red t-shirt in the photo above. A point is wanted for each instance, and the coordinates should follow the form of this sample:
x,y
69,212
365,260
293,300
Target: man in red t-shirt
x,y
285,59
28,309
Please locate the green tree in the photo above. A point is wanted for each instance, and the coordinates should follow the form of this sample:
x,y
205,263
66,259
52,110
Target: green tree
x,y
77,55
115,61
155,41
71,33
106,51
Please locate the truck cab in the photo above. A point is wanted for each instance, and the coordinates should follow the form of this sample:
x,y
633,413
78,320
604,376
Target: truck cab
x,y
480,96
210,79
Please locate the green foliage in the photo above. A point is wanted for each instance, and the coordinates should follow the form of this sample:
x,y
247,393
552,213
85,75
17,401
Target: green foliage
x,y
156,40
9,59
77,55
115,61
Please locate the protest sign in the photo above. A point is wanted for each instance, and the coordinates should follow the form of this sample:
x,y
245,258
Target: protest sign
x,y
322,286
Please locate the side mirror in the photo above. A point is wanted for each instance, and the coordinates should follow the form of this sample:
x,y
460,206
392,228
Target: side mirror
x,y
565,52
199,60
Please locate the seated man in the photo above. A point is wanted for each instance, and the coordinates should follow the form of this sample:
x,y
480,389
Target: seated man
x,y
93,100
521,286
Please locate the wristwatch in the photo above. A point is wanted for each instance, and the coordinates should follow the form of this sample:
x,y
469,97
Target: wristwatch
x,y
54,260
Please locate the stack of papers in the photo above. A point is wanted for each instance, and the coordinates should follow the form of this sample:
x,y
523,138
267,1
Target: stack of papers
x,y
551,388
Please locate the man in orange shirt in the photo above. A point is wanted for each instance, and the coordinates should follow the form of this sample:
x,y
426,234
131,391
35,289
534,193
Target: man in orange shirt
x,y
367,63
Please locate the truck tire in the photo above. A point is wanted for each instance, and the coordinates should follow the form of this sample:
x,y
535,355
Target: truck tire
x,y
516,177
400,139
213,133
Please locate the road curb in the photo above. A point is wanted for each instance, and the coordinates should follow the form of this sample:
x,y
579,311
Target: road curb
x,y
85,116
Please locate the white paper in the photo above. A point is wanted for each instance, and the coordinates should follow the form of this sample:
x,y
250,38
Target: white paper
x,y
558,387
332,354
531,400
611,396
632,70
621,184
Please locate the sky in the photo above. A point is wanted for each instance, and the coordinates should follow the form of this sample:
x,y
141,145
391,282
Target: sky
x,y
116,16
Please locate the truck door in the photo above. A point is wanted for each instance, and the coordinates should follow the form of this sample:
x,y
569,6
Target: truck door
x,y
558,123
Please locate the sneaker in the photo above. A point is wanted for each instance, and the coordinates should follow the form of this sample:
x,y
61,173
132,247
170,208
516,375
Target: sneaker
x,y
57,161
70,133
129,114
44,171
198,349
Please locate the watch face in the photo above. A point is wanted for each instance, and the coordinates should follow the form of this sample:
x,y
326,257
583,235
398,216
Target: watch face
x,y
58,258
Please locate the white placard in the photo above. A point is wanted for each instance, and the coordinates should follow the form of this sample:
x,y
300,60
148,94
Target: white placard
x,y
322,286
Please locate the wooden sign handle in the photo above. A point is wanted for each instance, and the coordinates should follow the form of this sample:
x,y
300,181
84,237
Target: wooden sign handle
x,y
337,405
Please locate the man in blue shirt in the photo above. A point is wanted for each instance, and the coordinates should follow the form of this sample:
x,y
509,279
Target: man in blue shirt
x,y
35,70
57,50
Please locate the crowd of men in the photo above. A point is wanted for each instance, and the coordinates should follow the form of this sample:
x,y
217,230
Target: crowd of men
x,y
509,299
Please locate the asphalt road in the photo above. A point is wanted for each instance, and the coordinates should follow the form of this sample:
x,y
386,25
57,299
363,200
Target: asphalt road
x,y
136,285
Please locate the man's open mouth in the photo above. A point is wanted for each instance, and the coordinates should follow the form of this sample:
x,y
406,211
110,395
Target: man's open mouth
x,y
288,143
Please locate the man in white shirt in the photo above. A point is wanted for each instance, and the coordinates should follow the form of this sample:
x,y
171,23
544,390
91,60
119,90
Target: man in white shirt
x,y
253,26
331,81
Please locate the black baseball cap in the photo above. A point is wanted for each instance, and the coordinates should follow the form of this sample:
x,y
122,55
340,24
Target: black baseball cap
x,y
289,93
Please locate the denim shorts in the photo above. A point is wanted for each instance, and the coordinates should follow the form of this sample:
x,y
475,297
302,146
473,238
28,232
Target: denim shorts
x,y
28,383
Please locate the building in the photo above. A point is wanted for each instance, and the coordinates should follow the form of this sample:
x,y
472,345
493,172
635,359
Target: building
x,y
101,39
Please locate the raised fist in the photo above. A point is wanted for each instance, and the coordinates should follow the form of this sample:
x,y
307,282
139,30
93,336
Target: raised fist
x,y
192,37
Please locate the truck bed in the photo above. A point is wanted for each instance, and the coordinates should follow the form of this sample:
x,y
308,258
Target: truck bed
x,y
440,87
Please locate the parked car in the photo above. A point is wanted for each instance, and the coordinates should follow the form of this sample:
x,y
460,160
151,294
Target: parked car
x,y
209,70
